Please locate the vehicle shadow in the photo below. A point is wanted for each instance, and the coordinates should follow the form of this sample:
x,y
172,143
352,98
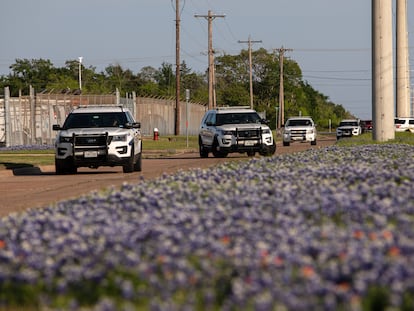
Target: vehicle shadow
x,y
31,170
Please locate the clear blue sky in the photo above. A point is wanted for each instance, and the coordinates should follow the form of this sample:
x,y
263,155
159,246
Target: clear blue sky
x,y
331,39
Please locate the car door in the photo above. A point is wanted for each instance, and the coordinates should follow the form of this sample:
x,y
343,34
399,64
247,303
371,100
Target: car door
x,y
207,128
136,132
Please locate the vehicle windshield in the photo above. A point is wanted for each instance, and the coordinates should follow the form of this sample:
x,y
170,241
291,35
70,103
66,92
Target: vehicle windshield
x,y
348,123
237,118
99,119
298,122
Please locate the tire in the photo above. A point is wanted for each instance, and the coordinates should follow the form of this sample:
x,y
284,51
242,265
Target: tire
x,y
218,153
313,142
128,167
60,167
286,143
138,163
269,150
203,151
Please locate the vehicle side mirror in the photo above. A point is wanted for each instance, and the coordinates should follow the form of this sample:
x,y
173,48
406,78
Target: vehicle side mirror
x,y
56,127
209,123
136,125
264,121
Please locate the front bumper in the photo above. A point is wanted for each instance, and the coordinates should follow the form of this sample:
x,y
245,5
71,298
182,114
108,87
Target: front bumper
x,y
347,133
231,143
305,137
114,154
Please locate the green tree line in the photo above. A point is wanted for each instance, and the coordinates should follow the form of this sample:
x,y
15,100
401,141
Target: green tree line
x,y
232,83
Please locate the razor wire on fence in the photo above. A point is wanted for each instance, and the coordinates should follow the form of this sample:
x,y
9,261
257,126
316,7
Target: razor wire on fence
x,y
28,120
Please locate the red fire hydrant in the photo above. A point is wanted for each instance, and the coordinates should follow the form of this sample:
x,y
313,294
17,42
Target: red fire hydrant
x,y
156,135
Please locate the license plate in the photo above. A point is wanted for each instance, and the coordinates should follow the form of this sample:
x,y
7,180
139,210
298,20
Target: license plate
x,y
90,154
249,142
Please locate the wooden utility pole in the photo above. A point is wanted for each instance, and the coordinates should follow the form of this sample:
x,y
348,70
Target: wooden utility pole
x,y
249,42
211,97
177,67
382,71
281,116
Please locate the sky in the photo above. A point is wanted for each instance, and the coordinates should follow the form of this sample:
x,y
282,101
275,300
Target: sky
x,y
329,39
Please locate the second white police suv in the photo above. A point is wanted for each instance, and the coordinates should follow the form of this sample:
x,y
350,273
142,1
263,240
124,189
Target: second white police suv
x,y
238,129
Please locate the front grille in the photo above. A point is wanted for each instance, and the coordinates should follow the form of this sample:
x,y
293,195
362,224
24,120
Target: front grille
x,y
91,140
297,133
249,133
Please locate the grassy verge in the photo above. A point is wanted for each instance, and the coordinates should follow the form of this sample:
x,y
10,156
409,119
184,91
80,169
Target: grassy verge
x,y
364,139
11,159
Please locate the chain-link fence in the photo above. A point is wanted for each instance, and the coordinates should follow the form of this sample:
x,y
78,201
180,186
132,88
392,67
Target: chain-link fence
x,y
28,120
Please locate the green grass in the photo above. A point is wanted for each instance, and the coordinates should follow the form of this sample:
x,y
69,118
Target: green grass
x,y
170,143
18,160
365,139
12,159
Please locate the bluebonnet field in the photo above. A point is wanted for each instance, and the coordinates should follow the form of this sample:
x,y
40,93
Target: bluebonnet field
x,y
325,229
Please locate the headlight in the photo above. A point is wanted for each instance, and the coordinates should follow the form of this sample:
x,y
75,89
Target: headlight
x,y
266,131
224,132
64,139
309,131
119,138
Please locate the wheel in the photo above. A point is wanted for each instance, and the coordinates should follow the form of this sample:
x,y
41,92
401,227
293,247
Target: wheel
x,y
269,150
313,142
138,163
217,153
128,167
203,151
60,167
286,143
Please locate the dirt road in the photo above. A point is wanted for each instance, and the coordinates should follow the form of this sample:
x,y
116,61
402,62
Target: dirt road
x,y
39,186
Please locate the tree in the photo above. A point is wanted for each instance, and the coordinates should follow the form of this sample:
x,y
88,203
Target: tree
x,y
165,78
232,83
35,72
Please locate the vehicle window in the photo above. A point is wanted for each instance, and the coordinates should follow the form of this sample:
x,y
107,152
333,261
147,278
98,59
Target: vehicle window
x,y
298,122
237,118
87,120
411,121
129,118
349,123
399,121
211,117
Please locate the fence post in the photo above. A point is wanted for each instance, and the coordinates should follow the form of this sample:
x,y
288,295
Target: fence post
x,y
7,115
32,115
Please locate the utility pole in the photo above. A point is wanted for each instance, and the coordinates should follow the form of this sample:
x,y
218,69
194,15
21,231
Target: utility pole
x,y
249,42
282,51
211,97
382,71
177,67
402,59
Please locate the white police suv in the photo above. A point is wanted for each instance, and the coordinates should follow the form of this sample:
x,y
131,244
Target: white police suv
x,y
94,136
239,129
